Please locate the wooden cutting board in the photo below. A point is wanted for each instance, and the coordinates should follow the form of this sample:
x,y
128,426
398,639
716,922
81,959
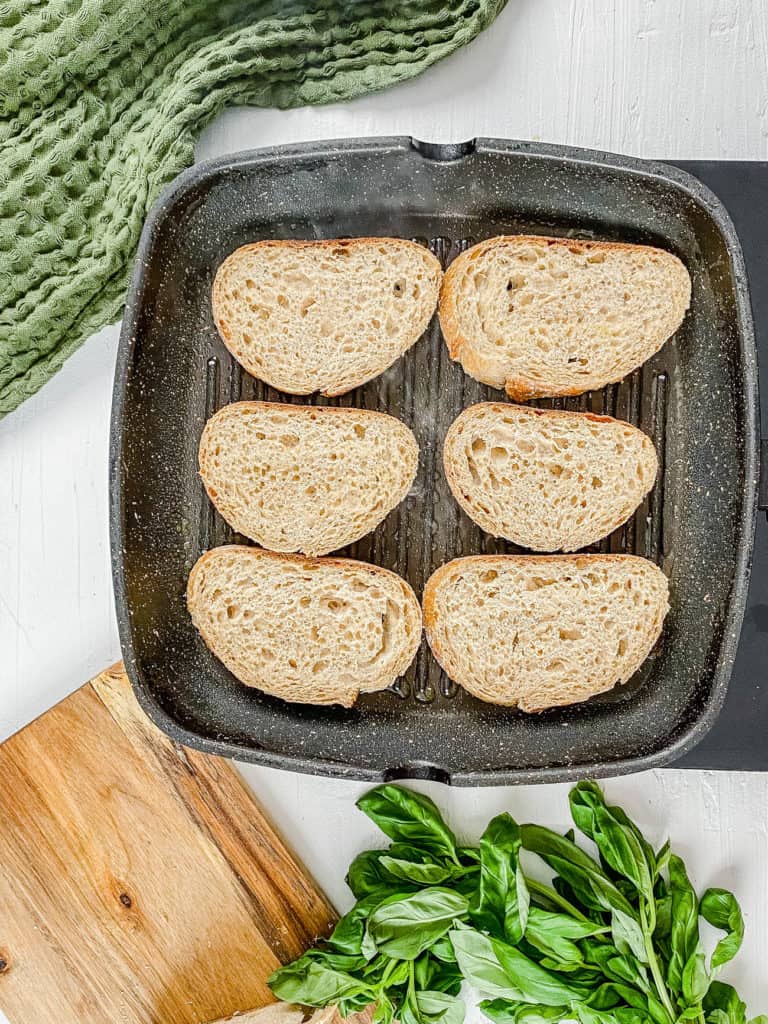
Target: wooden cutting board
x,y
139,881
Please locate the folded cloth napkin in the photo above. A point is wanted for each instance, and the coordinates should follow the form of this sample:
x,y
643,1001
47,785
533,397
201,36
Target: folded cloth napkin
x,y
100,103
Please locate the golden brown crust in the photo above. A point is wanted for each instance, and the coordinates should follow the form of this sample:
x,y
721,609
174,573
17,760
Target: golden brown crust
x,y
460,347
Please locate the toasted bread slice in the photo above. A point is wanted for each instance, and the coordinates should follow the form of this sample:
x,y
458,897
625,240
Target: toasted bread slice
x,y
300,478
536,632
558,316
324,316
547,480
310,630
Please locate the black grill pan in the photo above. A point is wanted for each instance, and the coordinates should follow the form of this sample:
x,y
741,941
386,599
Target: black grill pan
x,y
697,398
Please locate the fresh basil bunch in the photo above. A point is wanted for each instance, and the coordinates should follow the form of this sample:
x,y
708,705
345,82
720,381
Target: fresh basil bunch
x,y
609,941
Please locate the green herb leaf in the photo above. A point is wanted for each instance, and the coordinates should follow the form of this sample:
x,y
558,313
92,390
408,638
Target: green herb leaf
x,y
555,935
684,935
366,876
720,908
695,977
311,983
618,839
628,936
723,1006
405,927
501,970
480,966
347,936
663,918
502,904
504,1011
439,1008
584,875
417,872
619,1015
612,993
409,817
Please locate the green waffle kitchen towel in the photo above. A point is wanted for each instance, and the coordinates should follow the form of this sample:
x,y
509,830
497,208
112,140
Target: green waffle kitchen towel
x,y
100,104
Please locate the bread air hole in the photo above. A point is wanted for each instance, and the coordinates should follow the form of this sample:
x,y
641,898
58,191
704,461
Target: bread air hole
x,y
537,582
398,288
621,648
359,430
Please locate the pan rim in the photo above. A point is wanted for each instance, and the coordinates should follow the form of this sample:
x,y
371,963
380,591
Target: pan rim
x,y
676,743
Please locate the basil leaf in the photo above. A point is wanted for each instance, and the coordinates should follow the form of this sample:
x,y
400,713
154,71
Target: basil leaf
x,y
311,983
504,1011
384,1012
617,838
443,950
620,1015
480,957
554,934
480,966
617,967
611,993
628,936
443,977
720,908
684,935
409,817
404,928
662,858
439,1008
566,892
695,977
366,876
723,1006
420,873
502,904
584,875
347,936
663,918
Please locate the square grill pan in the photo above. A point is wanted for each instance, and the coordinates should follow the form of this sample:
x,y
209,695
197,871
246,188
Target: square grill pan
x,y
697,399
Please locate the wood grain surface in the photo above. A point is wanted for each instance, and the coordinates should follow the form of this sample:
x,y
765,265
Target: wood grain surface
x,y
139,881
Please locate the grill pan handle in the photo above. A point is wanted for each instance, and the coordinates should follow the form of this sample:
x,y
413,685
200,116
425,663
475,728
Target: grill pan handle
x,y
762,487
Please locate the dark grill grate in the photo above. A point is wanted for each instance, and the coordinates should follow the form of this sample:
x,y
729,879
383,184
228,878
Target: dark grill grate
x,y
427,390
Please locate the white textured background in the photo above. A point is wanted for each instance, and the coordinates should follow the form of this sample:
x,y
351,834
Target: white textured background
x,y
653,78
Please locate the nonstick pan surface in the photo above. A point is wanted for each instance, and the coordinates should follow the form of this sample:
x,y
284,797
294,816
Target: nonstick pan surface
x,y
697,399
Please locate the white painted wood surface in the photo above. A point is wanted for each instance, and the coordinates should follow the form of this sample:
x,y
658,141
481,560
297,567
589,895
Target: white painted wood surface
x,y
653,78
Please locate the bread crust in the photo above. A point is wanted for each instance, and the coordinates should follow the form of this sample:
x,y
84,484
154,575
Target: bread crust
x,y
481,367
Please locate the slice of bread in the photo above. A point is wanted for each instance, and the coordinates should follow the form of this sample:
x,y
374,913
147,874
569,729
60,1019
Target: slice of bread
x,y
310,630
558,316
324,316
300,478
547,480
536,632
